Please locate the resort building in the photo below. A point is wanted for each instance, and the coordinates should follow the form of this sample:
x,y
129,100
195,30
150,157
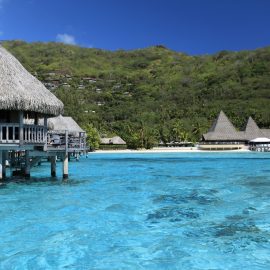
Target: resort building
x,y
64,130
223,135
116,143
25,106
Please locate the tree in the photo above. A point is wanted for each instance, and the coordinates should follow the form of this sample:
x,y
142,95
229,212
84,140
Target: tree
x,y
93,138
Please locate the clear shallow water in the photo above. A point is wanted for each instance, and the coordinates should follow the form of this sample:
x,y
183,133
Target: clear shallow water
x,y
141,211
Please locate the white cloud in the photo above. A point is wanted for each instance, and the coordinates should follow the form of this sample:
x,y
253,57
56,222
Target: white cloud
x,y
65,38
1,33
1,3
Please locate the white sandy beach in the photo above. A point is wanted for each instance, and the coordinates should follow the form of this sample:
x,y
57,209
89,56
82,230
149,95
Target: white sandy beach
x,y
166,150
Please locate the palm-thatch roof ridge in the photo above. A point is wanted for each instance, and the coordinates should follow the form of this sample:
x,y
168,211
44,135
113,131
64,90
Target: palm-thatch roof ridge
x,y
19,90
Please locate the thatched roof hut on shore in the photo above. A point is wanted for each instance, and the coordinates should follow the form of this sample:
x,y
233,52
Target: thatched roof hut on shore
x,y
115,142
223,135
222,130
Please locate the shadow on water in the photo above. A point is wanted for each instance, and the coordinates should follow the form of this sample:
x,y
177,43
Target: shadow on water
x,y
172,214
203,197
48,181
238,231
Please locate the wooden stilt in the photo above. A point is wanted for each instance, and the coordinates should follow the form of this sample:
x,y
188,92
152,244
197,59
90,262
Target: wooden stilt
x,y
1,166
27,164
12,159
53,166
65,167
4,159
65,158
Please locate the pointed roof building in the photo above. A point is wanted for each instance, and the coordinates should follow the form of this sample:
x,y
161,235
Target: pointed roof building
x,y
222,130
252,131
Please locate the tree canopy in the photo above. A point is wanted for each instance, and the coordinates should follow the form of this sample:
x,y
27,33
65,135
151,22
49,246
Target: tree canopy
x,y
152,94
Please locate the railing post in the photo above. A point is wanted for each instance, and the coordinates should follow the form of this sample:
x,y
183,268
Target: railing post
x,y
21,128
7,133
80,140
13,133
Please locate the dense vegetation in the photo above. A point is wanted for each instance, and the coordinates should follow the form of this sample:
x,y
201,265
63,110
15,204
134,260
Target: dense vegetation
x,y
151,94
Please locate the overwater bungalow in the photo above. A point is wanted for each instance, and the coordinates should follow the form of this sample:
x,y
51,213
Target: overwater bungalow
x,y
25,106
62,131
115,142
223,135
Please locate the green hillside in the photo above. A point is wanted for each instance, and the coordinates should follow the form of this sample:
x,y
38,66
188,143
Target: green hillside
x,y
151,94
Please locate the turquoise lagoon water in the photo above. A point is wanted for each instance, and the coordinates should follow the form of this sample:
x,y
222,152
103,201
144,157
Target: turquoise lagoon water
x,y
141,211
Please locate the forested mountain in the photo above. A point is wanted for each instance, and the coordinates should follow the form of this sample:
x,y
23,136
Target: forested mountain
x,y
151,94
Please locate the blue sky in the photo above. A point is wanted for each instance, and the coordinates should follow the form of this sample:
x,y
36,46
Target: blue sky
x,y
191,26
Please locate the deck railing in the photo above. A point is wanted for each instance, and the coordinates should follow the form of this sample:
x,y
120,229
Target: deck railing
x,y
61,141
32,134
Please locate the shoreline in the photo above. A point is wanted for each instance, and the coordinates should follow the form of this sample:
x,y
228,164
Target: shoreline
x,y
167,150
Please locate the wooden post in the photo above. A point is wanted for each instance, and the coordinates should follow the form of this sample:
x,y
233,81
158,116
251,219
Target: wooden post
x,y
36,119
65,159
46,132
21,127
12,159
53,166
65,167
4,159
1,166
27,164
80,140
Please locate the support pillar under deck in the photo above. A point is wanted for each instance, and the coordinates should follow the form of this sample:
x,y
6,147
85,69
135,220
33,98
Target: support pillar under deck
x,y
4,160
53,166
1,166
27,164
65,166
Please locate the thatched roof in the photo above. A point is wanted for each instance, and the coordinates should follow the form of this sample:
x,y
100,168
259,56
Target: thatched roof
x,y
266,133
19,90
61,123
222,129
114,140
252,131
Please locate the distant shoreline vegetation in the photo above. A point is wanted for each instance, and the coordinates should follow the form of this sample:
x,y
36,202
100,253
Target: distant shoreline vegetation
x,y
153,94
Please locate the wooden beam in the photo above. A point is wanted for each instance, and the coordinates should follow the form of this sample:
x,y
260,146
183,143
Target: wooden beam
x,y
21,127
